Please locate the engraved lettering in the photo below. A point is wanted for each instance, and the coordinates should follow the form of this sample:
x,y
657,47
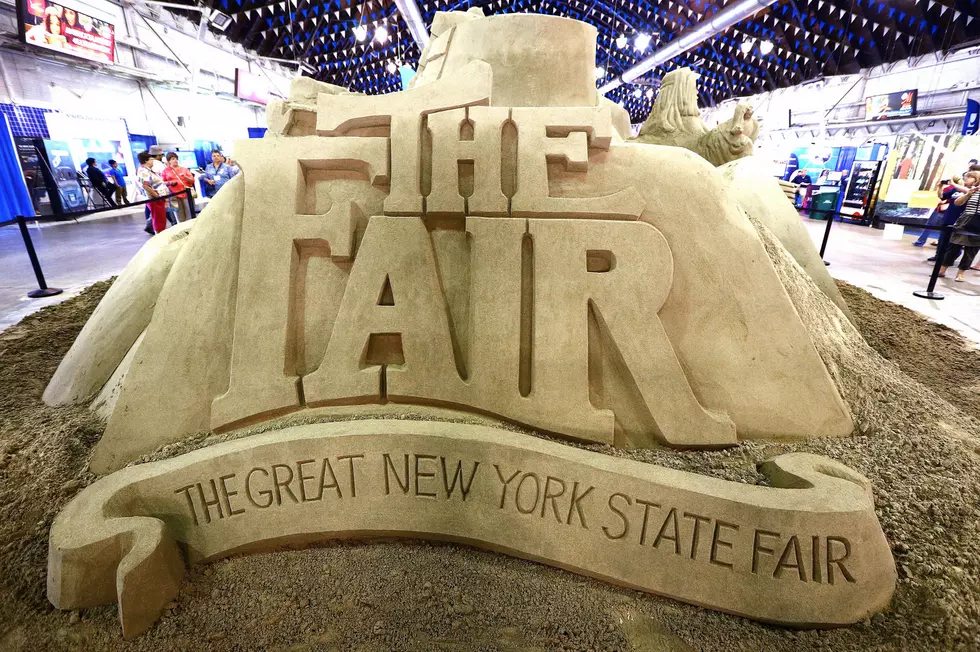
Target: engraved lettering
x,y
553,497
670,520
646,515
281,485
695,536
228,494
190,503
757,547
834,560
389,465
503,490
423,474
576,506
718,542
464,485
620,514
537,493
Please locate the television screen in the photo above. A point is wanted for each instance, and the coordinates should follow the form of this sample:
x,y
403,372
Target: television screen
x,y
63,28
187,160
900,104
251,87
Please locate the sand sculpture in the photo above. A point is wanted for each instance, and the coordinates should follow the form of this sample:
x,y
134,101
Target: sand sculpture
x,y
484,243
675,120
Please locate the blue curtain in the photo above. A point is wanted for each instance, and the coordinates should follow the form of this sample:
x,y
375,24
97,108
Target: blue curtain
x,y
14,198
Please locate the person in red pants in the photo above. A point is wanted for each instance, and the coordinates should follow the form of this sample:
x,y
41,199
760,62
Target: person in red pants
x,y
153,185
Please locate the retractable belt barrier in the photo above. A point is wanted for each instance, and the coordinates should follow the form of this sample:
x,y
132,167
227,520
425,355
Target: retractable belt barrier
x,y
21,221
944,236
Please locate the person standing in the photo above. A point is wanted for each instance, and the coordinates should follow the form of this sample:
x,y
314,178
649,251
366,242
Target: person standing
x,y
98,180
966,237
120,180
219,172
938,214
153,186
178,179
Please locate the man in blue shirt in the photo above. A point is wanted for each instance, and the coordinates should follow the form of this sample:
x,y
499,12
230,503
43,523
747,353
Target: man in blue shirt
x,y
120,180
218,173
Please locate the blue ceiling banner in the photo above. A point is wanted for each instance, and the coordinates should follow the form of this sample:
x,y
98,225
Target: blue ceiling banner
x,y
14,198
971,122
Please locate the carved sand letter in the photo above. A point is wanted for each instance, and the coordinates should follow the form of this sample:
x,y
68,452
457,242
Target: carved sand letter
x,y
564,136
263,371
585,265
482,151
404,113
404,341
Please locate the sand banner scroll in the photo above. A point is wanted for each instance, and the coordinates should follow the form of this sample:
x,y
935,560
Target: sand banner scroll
x,y
805,551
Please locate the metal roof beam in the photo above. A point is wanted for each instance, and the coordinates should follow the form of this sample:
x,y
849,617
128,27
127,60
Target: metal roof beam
x,y
409,10
720,21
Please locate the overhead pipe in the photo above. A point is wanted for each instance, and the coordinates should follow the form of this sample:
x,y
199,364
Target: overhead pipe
x,y
720,21
413,18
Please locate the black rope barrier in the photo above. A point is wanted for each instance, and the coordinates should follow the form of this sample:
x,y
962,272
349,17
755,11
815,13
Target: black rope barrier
x,y
21,221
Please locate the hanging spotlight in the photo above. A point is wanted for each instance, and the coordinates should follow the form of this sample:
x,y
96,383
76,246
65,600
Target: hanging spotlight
x,y
637,93
600,72
765,47
360,32
381,34
642,42
747,45
621,41
649,93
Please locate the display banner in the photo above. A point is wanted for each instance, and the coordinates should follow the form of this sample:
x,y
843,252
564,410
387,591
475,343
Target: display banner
x,y
901,104
971,122
65,174
62,28
253,88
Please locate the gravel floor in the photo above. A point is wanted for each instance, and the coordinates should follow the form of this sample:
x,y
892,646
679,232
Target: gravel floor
x,y
914,392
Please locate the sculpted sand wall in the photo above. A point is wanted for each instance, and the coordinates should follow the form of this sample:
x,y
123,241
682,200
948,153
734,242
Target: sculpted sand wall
x,y
806,551
118,320
761,197
183,358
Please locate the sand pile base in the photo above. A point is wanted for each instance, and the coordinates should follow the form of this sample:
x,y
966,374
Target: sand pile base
x,y
917,443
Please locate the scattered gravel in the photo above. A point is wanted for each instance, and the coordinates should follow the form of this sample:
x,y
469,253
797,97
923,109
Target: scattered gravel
x,y
915,440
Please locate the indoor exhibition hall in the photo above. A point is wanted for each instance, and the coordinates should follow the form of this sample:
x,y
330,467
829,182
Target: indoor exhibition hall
x,y
489,325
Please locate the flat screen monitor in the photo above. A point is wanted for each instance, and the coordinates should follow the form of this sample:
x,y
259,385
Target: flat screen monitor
x,y
187,160
900,104
251,87
63,27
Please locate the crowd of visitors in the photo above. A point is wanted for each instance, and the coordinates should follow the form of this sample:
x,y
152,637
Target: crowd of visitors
x,y
959,207
159,179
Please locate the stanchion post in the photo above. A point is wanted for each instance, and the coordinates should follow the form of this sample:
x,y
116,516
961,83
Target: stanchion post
x,y
190,204
43,289
940,256
826,236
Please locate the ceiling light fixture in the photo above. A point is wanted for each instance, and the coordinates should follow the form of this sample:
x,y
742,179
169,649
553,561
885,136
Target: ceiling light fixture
x,y
600,72
381,34
621,41
392,67
765,47
360,32
747,45
649,93
637,92
642,42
